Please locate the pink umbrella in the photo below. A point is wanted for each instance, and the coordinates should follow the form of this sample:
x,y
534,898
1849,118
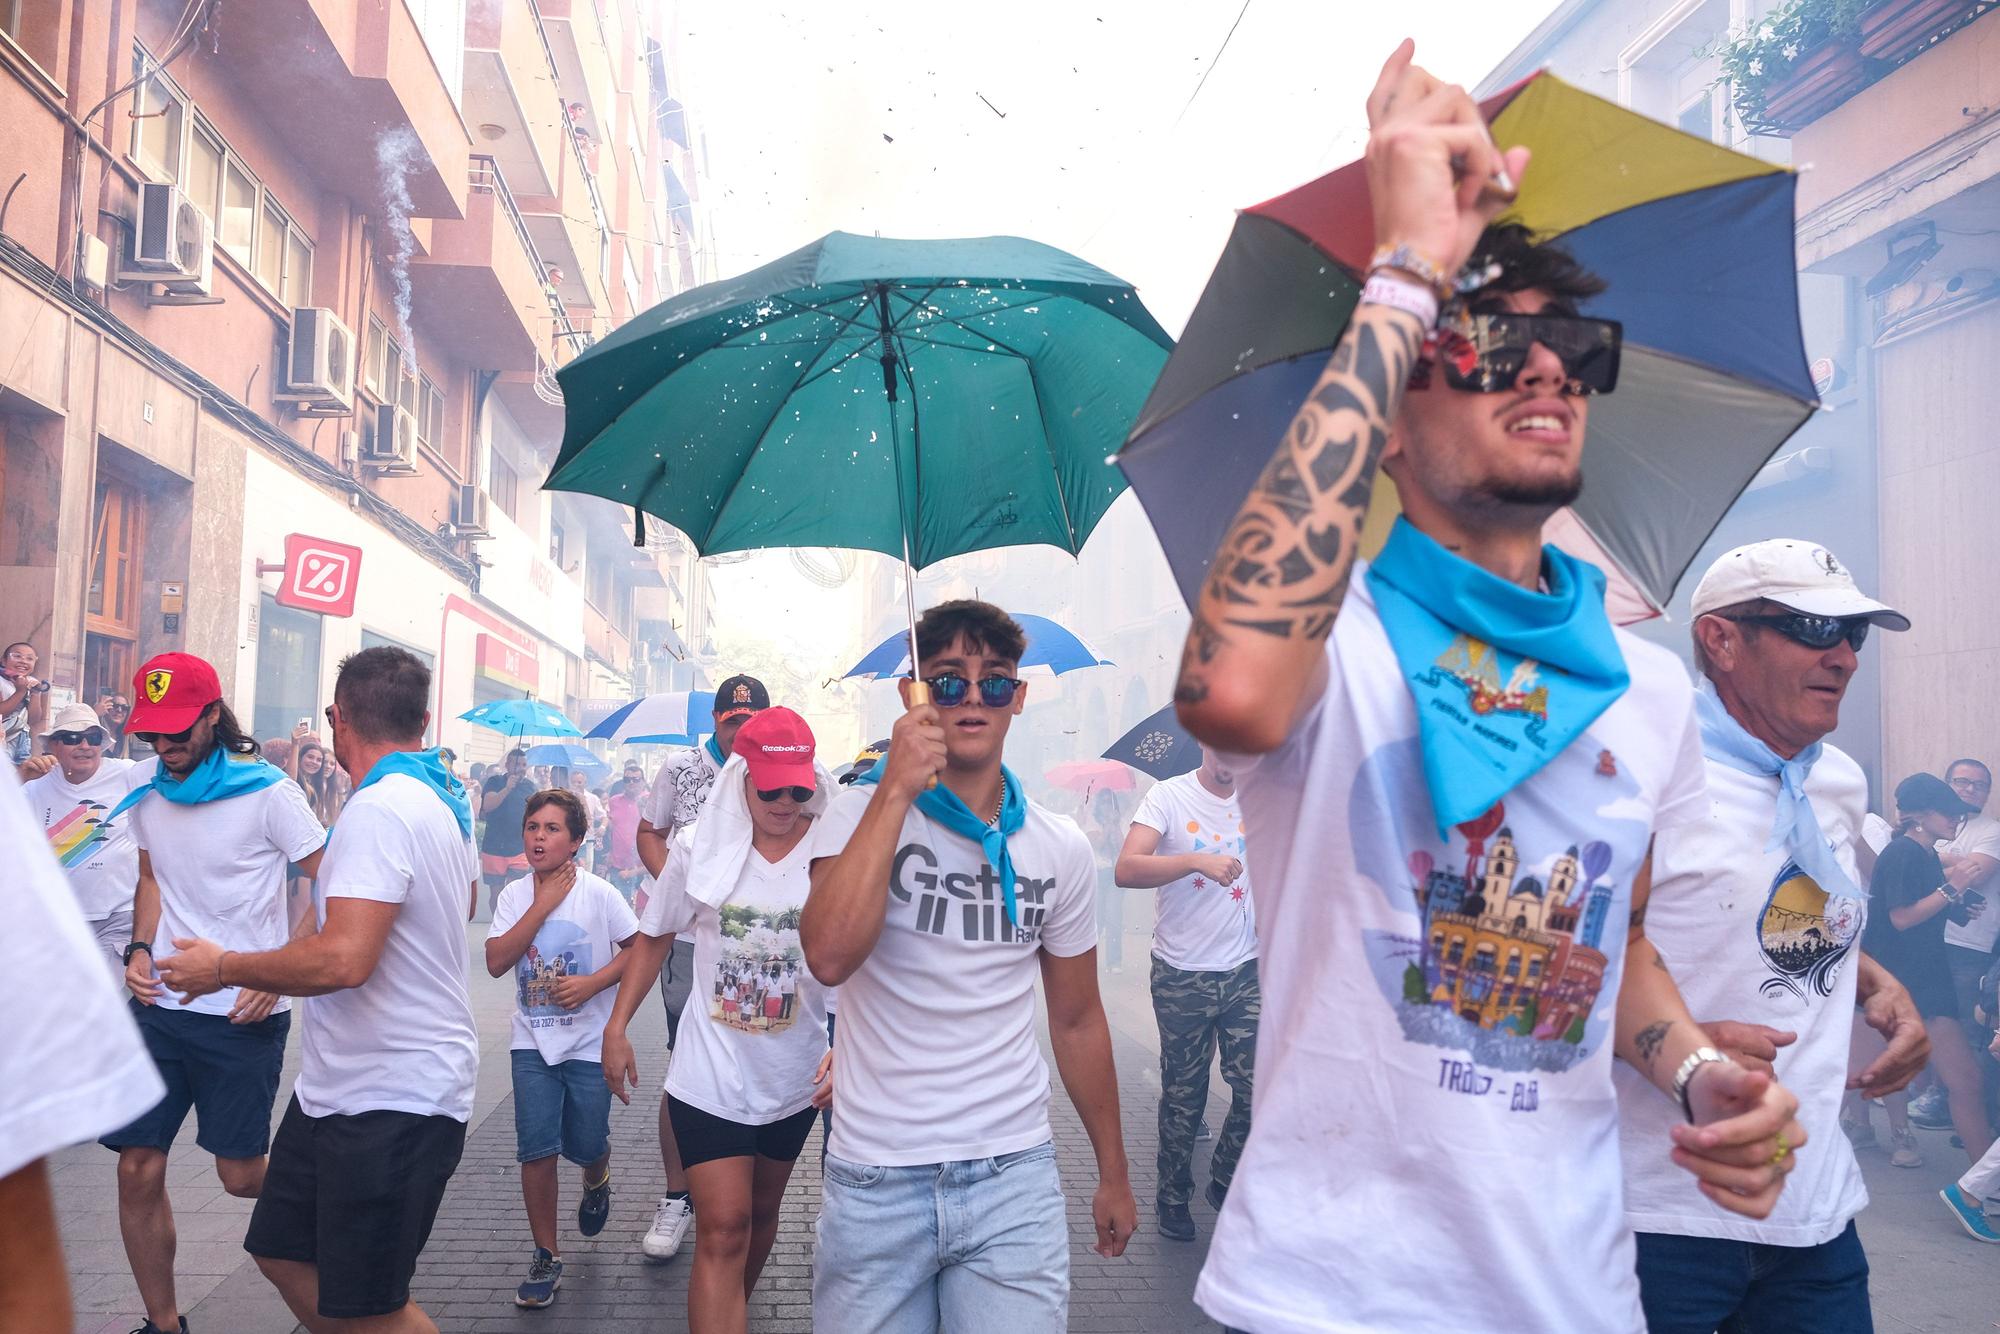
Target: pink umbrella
x,y
1088,776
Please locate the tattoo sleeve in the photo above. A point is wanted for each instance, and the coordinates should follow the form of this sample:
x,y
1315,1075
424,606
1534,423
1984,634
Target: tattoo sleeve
x,y
1282,568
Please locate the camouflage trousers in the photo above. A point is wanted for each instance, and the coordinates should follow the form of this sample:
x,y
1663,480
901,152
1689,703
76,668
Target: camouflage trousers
x,y
1199,1012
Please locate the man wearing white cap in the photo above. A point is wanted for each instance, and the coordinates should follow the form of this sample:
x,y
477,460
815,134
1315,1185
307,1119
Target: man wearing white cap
x,y
1757,910
72,799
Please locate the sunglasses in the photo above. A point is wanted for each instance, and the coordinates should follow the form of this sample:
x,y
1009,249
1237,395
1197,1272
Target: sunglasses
x,y
95,736
1815,632
154,739
802,795
995,692
118,707
1485,353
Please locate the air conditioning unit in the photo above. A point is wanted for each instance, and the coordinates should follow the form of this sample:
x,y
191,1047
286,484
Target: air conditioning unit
x,y
172,242
319,365
392,445
468,513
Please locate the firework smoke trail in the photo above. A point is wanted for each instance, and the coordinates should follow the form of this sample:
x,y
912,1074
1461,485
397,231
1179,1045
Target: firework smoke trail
x,y
398,153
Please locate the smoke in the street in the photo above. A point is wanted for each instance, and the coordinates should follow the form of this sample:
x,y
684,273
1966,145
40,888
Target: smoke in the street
x,y
397,155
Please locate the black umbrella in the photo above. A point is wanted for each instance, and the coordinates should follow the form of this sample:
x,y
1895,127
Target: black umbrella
x,y
1159,746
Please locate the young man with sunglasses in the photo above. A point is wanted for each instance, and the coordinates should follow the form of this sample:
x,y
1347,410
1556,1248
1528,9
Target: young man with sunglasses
x,y
71,799
1757,908
1452,768
215,827
939,894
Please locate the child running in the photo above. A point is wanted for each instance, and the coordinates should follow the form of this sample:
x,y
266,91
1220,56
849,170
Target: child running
x,y
748,1075
562,930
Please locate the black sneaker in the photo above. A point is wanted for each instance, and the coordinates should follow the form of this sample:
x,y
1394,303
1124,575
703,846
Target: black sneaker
x,y
1176,1224
150,1328
544,1277
595,1207
1217,1193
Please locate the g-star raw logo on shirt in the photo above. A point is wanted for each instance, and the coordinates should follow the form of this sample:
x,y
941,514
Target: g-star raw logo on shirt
x,y
982,917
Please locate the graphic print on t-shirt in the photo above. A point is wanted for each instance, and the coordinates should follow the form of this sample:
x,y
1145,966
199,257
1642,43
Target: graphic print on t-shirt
x,y
78,834
561,949
1516,919
967,906
1228,845
758,974
1805,936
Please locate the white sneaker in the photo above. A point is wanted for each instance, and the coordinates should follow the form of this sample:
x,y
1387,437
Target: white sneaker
x,y
670,1226
1905,1154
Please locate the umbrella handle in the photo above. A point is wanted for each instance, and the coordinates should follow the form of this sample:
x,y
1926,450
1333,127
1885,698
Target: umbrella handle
x,y
920,695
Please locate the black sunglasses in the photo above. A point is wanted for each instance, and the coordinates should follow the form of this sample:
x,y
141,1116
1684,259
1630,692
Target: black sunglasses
x,y
801,795
1815,632
154,739
995,692
1485,353
96,736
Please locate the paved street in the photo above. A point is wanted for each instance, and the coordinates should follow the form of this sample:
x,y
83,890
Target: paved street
x,y
1929,1278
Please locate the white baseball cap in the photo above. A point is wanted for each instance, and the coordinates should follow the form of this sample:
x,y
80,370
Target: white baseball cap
x,y
1793,574
72,718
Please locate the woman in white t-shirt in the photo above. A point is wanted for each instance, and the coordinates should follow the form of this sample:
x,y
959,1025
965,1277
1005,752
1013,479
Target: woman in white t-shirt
x,y
750,1071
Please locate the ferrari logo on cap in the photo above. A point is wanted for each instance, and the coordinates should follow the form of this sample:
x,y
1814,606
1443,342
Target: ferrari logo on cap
x,y
157,682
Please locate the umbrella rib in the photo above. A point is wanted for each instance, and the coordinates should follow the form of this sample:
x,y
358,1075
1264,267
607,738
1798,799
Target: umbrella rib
x,y
956,323
1048,446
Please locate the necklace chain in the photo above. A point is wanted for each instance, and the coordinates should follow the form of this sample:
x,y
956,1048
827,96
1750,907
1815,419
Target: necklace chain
x,y
999,805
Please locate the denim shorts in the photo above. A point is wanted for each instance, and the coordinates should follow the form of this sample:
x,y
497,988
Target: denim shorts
x,y
562,1109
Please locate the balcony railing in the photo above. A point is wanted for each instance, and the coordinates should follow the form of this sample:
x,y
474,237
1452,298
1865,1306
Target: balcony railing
x,y
597,213
487,178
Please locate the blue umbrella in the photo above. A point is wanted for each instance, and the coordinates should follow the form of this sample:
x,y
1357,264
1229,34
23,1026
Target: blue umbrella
x,y
568,755
521,717
1159,746
1052,650
673,718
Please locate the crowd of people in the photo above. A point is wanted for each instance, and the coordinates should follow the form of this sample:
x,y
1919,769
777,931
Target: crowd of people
x,y
1563,987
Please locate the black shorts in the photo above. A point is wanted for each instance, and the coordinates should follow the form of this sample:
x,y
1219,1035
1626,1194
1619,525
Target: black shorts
x,y
228,1073
356,1196
703,1138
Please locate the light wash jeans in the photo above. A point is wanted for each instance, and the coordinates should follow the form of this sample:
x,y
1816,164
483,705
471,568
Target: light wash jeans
x,y
978,1247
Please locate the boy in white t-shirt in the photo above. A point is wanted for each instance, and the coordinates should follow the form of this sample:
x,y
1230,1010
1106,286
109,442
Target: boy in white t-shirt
x,y
562,930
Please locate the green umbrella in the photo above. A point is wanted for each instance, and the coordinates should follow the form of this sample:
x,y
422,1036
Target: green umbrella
x,y
918,398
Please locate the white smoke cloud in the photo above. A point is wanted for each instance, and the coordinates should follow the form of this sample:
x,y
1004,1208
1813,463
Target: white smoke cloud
x,y
398,153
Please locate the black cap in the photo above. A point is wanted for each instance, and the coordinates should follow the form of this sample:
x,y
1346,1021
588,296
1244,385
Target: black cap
x,y
1928,792
739,697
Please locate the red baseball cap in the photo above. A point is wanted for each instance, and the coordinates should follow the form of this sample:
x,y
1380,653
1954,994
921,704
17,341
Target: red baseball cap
x,y
170,691
778,747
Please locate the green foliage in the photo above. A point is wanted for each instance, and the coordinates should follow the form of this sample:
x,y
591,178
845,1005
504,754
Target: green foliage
x,y
1759,60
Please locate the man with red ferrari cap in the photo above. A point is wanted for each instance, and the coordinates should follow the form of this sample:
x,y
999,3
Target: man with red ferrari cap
x,y
215,828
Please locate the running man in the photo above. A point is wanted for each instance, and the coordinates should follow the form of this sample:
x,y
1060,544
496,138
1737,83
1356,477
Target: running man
x,y
1452,768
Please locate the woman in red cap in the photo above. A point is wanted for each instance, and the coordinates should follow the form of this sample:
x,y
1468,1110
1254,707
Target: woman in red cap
x,y
750,1071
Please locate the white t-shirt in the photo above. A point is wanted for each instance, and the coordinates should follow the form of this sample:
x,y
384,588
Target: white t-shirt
x,y
1748,936
1981,834
754,1030
404,1040
679,790
1198,924
1407,1137
580,936
71,1058
102,864
220,866
936,1057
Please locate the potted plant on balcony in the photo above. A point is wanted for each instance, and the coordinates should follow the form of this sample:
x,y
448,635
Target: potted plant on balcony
x,y
1798,62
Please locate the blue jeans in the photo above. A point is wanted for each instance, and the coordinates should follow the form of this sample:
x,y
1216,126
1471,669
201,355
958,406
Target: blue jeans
x,y
564,1108
978,1247
1699,1285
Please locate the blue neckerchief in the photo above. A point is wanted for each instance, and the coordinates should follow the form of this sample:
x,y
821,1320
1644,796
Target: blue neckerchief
x,y
942,805
224,774
1797,828
1504,677
715,752
427,767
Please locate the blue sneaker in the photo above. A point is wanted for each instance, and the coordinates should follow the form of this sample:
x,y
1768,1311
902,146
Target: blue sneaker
x,y
1970,1214
1930,1110
544,1277
594,1207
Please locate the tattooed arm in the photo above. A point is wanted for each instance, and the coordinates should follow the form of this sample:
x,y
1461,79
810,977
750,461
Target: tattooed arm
x,y
1732,1147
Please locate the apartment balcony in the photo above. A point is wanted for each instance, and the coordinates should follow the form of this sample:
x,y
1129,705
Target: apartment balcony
x,y
486,271
512,102
582,58
339,78
605,641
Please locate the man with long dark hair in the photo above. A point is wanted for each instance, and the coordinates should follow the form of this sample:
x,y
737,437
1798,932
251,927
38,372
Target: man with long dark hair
x,y
215,828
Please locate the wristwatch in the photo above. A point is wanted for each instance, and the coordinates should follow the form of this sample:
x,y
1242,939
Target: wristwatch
x,y
1696,1059
135,947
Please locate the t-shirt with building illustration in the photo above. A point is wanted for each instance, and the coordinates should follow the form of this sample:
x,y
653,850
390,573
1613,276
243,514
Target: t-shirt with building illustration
x,y
1199,924
578,938
936,1057
1751,937
102,864
754,1030
1434,1109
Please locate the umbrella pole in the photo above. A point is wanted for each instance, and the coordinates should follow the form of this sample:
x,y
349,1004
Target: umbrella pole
x,y
919,692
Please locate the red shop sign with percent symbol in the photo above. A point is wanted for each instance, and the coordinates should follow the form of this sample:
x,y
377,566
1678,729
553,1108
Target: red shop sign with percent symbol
x,y
320,575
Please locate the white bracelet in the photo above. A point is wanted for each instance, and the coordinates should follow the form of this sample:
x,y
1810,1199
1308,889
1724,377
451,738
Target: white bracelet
x,y
1399,293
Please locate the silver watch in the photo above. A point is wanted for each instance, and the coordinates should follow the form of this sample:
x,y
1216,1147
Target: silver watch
x,y
1696,1059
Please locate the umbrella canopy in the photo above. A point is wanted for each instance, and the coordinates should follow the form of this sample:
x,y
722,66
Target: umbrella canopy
x,y
1159,746
521,717
1052,650
1695,244
917,398
568,755
673,718
1087,776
